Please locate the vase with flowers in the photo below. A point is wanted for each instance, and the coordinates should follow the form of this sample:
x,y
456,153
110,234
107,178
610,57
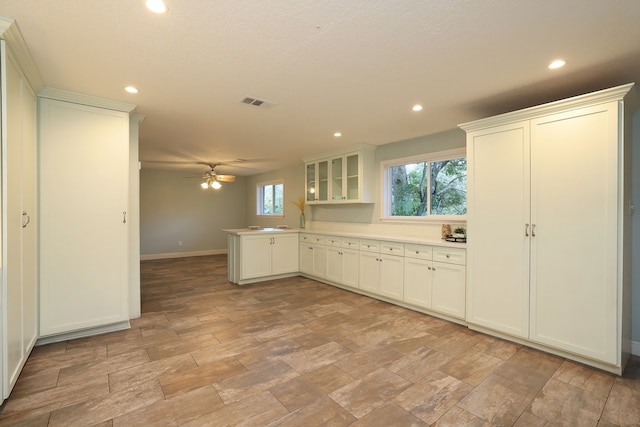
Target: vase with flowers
x,y
301,203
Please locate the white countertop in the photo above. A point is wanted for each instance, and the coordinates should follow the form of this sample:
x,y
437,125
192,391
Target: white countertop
x,y
385,237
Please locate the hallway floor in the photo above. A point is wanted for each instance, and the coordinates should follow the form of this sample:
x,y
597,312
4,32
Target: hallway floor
x,y
295,352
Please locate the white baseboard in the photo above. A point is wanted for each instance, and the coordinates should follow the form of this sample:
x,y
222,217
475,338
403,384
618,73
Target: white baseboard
x,y
182,254
635,348
84,333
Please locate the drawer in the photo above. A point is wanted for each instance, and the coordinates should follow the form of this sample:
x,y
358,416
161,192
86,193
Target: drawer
x,y
351,243
332,241
308,238
370,245
317,239
392,248
418,251
450,255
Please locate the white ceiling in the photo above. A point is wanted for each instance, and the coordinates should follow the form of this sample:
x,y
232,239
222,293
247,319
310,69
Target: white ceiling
x,y
333,65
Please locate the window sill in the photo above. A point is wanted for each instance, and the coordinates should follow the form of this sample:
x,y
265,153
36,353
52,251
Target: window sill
x,y
425,220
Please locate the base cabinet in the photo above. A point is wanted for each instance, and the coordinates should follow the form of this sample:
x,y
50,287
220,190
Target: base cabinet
x,y
435,285
558,273
342,266
264,255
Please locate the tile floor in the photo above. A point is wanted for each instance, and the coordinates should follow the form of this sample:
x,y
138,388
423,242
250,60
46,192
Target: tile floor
x,y
296,352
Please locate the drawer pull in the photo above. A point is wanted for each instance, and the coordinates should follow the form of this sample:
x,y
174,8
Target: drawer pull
x,y
448,256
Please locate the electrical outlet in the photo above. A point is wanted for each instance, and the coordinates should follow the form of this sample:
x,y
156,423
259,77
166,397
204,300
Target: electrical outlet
x,y
179,242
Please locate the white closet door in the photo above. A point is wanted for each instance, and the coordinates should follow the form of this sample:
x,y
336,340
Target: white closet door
x,y
19,298
83,204
574,250
498,211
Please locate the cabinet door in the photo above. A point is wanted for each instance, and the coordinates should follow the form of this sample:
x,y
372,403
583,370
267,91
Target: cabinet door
x,y
311,182
319,261
369,272
334,264
322,192
353,177
284,254
575,248
498,209
392,276
18,306
255,256
83,216
417,282
306,258
337,181
350,267
448,289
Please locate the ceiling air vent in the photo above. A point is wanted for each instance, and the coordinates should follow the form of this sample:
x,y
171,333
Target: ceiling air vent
x,y
257,102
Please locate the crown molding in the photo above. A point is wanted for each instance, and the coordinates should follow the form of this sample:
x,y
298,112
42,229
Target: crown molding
x,y
10,33
89,100
602,96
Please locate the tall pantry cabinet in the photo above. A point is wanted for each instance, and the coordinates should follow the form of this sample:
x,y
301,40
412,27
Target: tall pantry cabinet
x,y
84,214
18,136
548,226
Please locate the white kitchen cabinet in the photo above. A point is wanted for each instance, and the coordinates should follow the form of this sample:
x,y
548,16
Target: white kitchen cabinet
x,y
84,246
448,289
434,279
18,255
342,262
381,272
344,177
548,219
267,254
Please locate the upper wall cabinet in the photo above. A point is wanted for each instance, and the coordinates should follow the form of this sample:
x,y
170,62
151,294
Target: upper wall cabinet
x,y
341,177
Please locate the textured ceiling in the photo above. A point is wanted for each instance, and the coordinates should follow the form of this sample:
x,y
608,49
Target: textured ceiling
x,y
334,65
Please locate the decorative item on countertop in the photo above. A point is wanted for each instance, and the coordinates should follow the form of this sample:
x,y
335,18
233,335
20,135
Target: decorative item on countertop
x,y
459,235
446,231
301,203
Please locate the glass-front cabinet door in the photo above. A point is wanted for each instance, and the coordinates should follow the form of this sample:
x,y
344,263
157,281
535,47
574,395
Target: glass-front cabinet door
x,y
323,181
337,181
311,182
353,177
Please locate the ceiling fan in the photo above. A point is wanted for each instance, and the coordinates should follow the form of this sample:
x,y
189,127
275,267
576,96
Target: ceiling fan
x,y
212,179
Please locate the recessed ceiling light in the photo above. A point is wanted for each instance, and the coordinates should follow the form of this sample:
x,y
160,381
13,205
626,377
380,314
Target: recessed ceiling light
x,y
156,6
337,134
558,63
131,89
417,107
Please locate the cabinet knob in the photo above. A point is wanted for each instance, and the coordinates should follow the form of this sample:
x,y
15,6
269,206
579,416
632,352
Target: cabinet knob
x,y
448,256
417,252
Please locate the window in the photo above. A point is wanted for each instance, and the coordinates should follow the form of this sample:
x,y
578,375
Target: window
x,y
432,185
270,198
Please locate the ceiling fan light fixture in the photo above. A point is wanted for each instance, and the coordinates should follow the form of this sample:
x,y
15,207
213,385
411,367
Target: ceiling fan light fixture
x,y
204,185
216,185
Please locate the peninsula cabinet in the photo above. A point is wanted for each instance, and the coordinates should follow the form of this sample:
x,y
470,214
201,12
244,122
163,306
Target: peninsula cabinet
x,y
548,225
261,255
341,177
18,208
84,218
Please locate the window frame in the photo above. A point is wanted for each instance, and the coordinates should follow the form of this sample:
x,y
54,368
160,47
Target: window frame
x,y
260,197
385,193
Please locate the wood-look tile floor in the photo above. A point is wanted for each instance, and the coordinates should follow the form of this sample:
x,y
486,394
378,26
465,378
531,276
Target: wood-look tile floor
x,y
296,352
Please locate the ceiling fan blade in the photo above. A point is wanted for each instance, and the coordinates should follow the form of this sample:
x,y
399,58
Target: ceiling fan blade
x,y
225,178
